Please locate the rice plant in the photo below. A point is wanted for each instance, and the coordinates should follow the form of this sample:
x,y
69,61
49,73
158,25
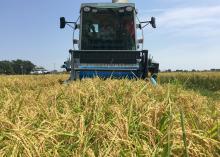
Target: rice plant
x,y
94,117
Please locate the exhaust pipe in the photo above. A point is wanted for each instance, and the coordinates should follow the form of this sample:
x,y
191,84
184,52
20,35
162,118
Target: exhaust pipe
x,y
119,1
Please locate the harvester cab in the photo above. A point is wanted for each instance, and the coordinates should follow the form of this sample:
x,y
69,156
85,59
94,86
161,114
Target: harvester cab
x,y
108,44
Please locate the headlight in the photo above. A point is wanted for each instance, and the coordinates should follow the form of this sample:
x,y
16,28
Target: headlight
x,y
87,9
129,9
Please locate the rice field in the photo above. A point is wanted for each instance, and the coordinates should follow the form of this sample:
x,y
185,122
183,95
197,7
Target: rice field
x,y
93,117
207,83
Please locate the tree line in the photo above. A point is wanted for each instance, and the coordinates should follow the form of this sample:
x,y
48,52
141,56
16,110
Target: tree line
x,y
16,67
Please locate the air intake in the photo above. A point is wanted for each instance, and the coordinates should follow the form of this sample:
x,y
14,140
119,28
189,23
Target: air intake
x,y
119,1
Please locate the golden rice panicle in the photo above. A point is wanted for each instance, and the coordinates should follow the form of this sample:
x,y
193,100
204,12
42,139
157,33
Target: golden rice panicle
x,y
94,117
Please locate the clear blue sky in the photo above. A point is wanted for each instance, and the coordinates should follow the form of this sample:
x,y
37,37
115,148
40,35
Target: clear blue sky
x,y
187,37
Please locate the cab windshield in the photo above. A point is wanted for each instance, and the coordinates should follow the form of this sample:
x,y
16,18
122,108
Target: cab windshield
x,y
108,29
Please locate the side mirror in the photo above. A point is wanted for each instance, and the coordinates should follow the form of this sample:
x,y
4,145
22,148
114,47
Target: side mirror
x,y
153,22
62,22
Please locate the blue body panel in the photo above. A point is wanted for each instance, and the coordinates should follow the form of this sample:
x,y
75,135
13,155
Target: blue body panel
x,y
92,74
107,74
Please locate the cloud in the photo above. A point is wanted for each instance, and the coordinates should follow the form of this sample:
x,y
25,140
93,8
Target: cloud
x,y
194,21
197,21
185,37
183,17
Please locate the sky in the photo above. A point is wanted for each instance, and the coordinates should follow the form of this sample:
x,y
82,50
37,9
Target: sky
x,y
187,34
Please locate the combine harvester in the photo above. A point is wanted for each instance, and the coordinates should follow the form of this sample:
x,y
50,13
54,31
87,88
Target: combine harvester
x,y
108,46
